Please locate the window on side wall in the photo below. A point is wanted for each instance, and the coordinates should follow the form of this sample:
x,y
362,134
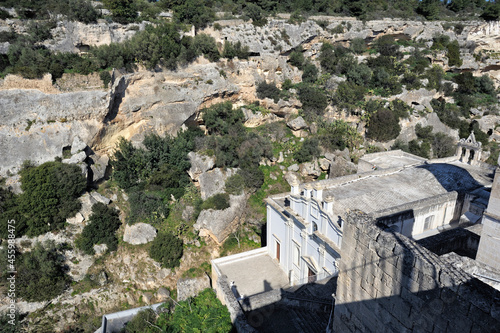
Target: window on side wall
x,y
428,224
296,255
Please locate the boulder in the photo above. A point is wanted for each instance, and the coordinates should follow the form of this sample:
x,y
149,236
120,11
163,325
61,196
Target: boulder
x,y
310,169
100,249
162,294
147,297
341,166
324,164
187,213
281,158
293,167
191,287
297,124
199,164
100,198
257,119
77,145
421,96
99,166
102,278
77,158
87,202
139,233
77,219
214,181
292,177
218,224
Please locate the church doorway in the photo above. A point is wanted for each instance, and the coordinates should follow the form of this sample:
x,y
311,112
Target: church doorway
x,y
311,275
278,251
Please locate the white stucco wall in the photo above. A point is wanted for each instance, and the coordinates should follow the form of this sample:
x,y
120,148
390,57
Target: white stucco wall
x,y
292,232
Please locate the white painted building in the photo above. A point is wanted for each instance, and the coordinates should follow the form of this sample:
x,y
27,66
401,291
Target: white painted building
x,y
303,235
417,198
413,196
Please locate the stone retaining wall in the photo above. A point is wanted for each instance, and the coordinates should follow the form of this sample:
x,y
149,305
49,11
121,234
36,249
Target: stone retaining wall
x,y
388,282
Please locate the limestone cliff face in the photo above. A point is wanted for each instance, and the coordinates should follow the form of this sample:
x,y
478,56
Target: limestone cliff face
x,y
69,36
159,102
75,36
36,126
37,119
486,36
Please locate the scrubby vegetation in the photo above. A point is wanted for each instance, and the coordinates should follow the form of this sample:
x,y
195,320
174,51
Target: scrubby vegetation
x,y
218,202
40,274
101,229
197,314
167,250
50,196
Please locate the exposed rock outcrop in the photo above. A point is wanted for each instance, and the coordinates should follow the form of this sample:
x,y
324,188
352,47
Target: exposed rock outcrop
x,y
199,164
218,224
297,124
71,36
214,181
341,164
191,287
139,233
37,126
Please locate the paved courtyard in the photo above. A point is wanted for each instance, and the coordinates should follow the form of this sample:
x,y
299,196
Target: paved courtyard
x,y
254,274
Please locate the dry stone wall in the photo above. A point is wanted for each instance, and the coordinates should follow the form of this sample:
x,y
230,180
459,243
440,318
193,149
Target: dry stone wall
x,y
387,282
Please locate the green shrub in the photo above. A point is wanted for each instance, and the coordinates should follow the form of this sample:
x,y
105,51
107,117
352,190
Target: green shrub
x,y
123,11
268,90
159,166
435,75
205,44
142,322
383,126
235,50
4,14
296,58
256,14
314,100
105,77
218,201
443,145
453,54
420,148
339,135
167,250
400,109
253,176
203,313
349,96
310,74
220,118
358,45
359,74
386,46
50,195
40,273
195,12
307,151
440,42
101,229
146,207
235,184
